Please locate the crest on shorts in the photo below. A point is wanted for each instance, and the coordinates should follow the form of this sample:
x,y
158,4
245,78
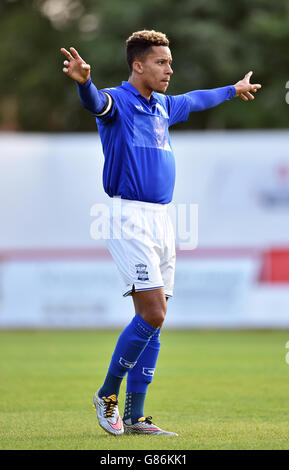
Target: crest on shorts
x,y
142,273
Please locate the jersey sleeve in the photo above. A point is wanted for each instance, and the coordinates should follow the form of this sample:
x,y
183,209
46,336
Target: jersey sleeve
x,y
205,99
99,102
180,106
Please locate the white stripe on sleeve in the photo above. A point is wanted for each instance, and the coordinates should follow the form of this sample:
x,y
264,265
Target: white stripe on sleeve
x,y
107,107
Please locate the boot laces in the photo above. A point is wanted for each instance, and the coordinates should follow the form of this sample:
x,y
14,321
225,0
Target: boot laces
x,y
110,404
148,420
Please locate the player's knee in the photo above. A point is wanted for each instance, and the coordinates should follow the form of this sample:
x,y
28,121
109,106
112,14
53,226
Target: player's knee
x,y
155,315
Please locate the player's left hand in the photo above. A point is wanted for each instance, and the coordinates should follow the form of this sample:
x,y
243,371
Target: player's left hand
x,y
244,88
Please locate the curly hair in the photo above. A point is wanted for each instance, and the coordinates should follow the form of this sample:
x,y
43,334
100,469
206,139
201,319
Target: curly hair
x,y
140,43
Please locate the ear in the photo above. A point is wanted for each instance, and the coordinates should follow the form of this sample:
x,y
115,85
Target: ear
x,y
137,66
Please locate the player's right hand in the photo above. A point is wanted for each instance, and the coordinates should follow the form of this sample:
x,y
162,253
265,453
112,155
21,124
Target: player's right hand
x,y
244,87
75,67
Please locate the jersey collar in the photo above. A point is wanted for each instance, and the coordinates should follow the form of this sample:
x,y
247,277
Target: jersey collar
x,y
133,90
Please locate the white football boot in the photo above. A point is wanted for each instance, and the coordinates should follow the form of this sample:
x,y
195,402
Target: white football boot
x,y
108,414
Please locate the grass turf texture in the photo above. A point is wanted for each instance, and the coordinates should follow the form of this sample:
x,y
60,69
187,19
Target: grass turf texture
x,y
216,389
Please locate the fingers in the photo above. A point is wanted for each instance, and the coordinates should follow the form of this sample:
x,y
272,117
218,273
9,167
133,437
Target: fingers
x,y
249,75
244,97
73,59
247,96
83,66
250,96
256,87
75,53
245,88
66,53
66,63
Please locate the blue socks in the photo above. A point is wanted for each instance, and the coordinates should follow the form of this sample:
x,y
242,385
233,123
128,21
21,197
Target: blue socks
x,y
138,380
131,343
134,407
111,386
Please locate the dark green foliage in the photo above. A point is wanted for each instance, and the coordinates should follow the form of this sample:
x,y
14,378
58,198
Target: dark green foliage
x,y
213,44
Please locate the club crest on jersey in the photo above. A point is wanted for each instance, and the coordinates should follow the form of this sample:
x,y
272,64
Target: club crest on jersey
x,y
162,111
142,273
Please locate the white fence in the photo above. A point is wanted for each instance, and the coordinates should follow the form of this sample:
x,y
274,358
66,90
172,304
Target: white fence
x,y
51,274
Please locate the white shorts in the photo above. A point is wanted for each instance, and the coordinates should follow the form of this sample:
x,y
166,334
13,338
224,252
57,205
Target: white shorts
x,y
142,244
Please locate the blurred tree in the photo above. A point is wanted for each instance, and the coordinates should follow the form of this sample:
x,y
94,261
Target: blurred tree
x,y
213,44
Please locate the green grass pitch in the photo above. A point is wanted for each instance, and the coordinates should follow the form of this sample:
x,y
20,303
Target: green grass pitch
x,y
216,389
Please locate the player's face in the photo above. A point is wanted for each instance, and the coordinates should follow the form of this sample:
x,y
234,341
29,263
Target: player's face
x,y
156,69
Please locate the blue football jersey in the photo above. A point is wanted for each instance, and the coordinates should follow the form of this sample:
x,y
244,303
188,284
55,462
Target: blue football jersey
x,y
139,163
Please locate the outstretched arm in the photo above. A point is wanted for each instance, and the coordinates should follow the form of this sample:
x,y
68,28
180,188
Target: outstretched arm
x,y
204,99
91,98
181,105
199,100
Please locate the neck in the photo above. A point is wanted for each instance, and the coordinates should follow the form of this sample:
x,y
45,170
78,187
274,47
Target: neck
x,y
144,91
